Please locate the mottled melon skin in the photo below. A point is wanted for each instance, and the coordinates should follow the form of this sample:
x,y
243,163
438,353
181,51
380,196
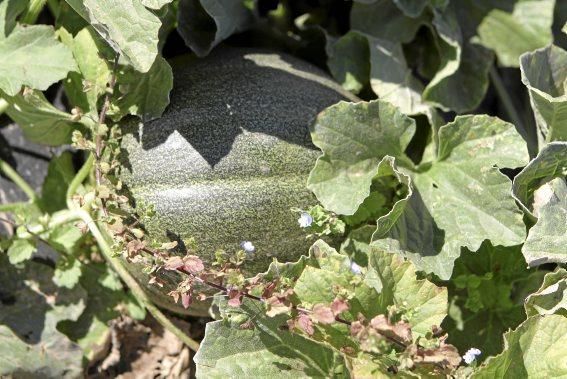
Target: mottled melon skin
x,y
230,157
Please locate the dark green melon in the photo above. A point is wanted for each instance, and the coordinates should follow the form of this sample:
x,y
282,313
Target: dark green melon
x,y
230,157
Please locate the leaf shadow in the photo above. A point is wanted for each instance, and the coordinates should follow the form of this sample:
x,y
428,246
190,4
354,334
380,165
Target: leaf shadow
x,y
233,92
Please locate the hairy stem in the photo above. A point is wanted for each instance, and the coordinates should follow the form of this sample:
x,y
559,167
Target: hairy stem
x,y
67,216
136,289
17,179
32,12
78,179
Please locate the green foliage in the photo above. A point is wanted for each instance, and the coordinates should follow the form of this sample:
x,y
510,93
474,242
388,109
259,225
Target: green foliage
x,y
551,297
263,350
432,225
203,24
127,26
534,349
442,219
510,34
18,48
31,344
544,74
483,290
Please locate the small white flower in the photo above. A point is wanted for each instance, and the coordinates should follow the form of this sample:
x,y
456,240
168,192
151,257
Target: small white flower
x,y
305,220
355,269
247,246
471,355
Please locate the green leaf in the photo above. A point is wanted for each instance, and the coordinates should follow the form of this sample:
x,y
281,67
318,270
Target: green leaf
x,y
9,12
145,95
263,351
483,289
203,24
544,74
510,35
155,4
354,139
60,173
548,237
383,19
536,349
106,296
357,59
551,162
551,297
389,282
21,250
426,303
64,238
126,25
348,60
40,121
19,63
413,8
84,87
67,272
30,344
462,78
459,201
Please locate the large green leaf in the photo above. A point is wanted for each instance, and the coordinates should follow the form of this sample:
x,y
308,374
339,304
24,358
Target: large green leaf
x,y
536,349
483,289
462,198
383,19
126,25
462,81
40,121
84,87
458,69
551,297
526,28
349,60
31,345
263,351
551,162
33,57
354,139
544,72
427,303
203,24
547,239
142,94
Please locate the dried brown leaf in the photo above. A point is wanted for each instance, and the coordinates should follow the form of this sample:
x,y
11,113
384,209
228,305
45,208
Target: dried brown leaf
x,y
323,314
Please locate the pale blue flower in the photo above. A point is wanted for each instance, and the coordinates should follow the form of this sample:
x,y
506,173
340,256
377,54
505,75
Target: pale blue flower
x,y
355,269
305,220
471,355
247,246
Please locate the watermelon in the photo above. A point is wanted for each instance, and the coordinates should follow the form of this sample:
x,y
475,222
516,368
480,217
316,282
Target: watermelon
x,y
229,158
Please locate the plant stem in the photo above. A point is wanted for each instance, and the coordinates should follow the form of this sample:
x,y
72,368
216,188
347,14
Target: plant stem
x,y
65,217
137,291
17,179
78,179
10,207
507,101
33,11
